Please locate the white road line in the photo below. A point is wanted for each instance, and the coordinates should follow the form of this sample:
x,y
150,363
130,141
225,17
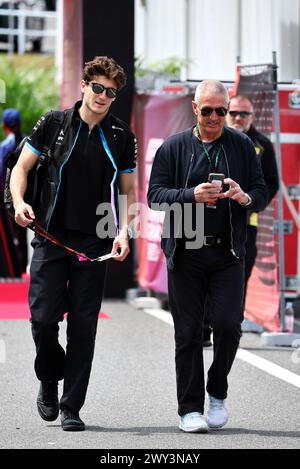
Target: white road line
x,y
160,314
248,357
269,367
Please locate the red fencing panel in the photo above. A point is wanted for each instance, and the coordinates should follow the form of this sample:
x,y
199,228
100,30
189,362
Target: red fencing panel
x,y
155,118
289,102
262,300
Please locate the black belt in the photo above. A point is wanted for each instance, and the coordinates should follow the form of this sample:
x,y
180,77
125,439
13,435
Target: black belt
x,y
212,240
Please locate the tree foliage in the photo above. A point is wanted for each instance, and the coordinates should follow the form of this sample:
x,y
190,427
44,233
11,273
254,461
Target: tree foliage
x,y
30,87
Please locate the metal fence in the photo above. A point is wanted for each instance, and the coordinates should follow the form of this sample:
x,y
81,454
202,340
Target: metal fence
x,y
22,28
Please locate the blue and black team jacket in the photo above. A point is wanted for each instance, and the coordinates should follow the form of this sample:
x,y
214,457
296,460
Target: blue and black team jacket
x,y
119,144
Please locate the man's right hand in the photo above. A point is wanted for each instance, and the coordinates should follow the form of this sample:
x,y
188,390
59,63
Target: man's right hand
x,y
24,215
207,192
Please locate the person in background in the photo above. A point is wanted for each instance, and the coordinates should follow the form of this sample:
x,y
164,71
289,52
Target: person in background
x,y
93,160
240,117
11,122
180,175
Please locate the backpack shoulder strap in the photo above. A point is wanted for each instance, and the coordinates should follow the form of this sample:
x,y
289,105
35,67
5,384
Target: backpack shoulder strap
x,y
54,126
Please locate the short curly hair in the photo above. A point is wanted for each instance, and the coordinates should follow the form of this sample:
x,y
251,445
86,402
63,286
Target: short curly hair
x,y
106,66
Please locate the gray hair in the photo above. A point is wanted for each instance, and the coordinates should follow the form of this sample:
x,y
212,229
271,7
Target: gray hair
x,y
211,87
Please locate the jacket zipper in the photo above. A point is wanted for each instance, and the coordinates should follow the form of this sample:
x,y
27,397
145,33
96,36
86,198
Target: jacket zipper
x,y
230,212
60,175
188,174
185,186
111,158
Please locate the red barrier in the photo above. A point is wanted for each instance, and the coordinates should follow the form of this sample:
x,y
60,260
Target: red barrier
x,y
155,118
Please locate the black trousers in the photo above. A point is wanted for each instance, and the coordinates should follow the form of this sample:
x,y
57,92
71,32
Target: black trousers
x,y
22,251
215,271
60,283
251,253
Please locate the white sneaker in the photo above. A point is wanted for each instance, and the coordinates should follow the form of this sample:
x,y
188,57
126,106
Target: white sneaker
x,y
217,415
193,422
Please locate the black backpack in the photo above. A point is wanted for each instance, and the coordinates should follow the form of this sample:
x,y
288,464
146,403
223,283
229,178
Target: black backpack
x,y
38,173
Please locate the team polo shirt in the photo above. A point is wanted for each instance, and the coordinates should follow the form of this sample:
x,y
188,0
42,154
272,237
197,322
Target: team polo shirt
x,y
83,179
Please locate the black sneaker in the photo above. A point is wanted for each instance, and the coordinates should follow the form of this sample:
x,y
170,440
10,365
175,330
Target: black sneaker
x,y
71,422
47,401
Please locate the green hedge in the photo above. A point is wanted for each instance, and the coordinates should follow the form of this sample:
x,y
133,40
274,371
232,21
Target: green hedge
x,y
29,86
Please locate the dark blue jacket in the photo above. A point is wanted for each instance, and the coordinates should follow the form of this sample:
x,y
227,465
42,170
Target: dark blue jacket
x,y
169,181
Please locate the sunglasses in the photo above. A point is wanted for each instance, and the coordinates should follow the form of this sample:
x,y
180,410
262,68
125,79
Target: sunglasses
x,y
98,89
240,113
207,111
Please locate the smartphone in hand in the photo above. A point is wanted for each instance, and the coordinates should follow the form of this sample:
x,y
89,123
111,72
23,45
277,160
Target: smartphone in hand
x,y
216,178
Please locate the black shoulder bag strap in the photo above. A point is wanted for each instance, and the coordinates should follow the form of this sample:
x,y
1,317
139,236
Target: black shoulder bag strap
x,y
53,128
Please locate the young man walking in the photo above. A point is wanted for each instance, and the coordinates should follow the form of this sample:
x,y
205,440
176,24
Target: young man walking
x,y
93,159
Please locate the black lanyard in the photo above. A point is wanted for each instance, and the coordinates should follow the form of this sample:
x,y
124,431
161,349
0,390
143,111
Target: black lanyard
x,y
213,164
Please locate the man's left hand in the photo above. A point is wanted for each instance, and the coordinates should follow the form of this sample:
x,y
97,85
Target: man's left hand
x,y
121,243
235,192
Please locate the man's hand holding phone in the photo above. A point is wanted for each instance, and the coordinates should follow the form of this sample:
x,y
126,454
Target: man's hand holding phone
x,y
209,192
216,180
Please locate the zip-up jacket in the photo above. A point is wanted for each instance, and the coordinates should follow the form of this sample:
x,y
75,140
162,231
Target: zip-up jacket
x,y
266,155
120,147
169,182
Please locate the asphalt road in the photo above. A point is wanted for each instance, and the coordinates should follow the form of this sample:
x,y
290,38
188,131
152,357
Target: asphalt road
x,y
131,401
